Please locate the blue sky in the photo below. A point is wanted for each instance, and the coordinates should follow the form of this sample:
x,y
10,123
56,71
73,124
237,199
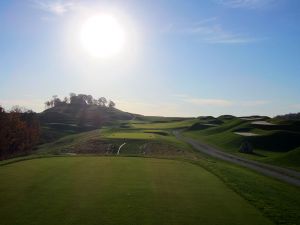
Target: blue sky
x,y
182,58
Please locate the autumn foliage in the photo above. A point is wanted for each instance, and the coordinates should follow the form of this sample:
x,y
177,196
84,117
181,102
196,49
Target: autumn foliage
x,y
19,132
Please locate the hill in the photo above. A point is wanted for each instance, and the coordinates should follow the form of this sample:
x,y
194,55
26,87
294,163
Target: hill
x,y
65,119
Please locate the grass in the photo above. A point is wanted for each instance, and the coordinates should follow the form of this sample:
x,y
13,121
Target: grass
x,y
107,141
278,147
118,190
164,124
277,200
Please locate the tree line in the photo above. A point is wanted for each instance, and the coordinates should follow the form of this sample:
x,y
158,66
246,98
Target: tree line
x,y
19,132
290,116
80,99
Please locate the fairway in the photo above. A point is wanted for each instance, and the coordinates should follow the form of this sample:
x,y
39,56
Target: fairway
x,y
118,190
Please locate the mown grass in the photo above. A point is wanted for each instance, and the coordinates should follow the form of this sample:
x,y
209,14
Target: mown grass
x,y
164,125
118,190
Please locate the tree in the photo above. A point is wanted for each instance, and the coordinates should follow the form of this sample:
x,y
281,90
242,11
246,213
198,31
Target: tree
x,y
56,100
102,101
47,104
19,131
111,104
89,99
66,100
82,99
72,98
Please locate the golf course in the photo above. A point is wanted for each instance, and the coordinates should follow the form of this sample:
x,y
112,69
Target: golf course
x,y
118,190
139,112
135,169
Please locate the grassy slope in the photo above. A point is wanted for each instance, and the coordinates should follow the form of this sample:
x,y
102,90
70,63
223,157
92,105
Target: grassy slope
x,y
138,141
97,190
270,147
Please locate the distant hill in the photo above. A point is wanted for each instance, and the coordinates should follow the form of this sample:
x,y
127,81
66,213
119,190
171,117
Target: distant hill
x,y
65,119
291,116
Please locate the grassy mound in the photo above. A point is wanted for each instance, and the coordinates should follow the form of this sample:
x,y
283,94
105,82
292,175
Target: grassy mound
x,y
270,143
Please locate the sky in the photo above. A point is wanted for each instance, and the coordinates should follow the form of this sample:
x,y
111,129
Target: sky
x,y
180,58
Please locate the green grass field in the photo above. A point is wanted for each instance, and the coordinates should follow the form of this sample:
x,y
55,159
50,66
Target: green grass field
x,y
164,124
118,190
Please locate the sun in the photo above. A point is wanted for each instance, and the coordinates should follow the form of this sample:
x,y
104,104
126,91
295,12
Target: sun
x,y
102,36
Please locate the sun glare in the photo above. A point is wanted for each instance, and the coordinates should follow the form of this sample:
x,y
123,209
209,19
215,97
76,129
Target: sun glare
x,y
102,36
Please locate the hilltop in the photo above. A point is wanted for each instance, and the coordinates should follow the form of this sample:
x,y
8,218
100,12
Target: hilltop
x,y
77,114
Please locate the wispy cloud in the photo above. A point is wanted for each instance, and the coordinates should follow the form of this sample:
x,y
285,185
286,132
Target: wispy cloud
x,y
223,102
254,103
211,31
249,4
58,7
209,102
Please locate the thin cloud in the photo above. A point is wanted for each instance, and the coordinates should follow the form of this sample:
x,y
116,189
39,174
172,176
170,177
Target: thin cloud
x,y
54,7
210,31
225,102
209,102
254,103
248,4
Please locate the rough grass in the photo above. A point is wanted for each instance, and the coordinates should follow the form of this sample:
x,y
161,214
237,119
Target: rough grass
x,y
269,146
118,190
277,200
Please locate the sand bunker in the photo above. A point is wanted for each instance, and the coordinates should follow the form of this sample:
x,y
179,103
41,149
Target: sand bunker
x,y
246,134
250,118
211,124
262,123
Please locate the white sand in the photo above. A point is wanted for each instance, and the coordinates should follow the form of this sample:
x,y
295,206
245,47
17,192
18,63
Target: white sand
x,y
262,123
246,134
211,124
250,118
